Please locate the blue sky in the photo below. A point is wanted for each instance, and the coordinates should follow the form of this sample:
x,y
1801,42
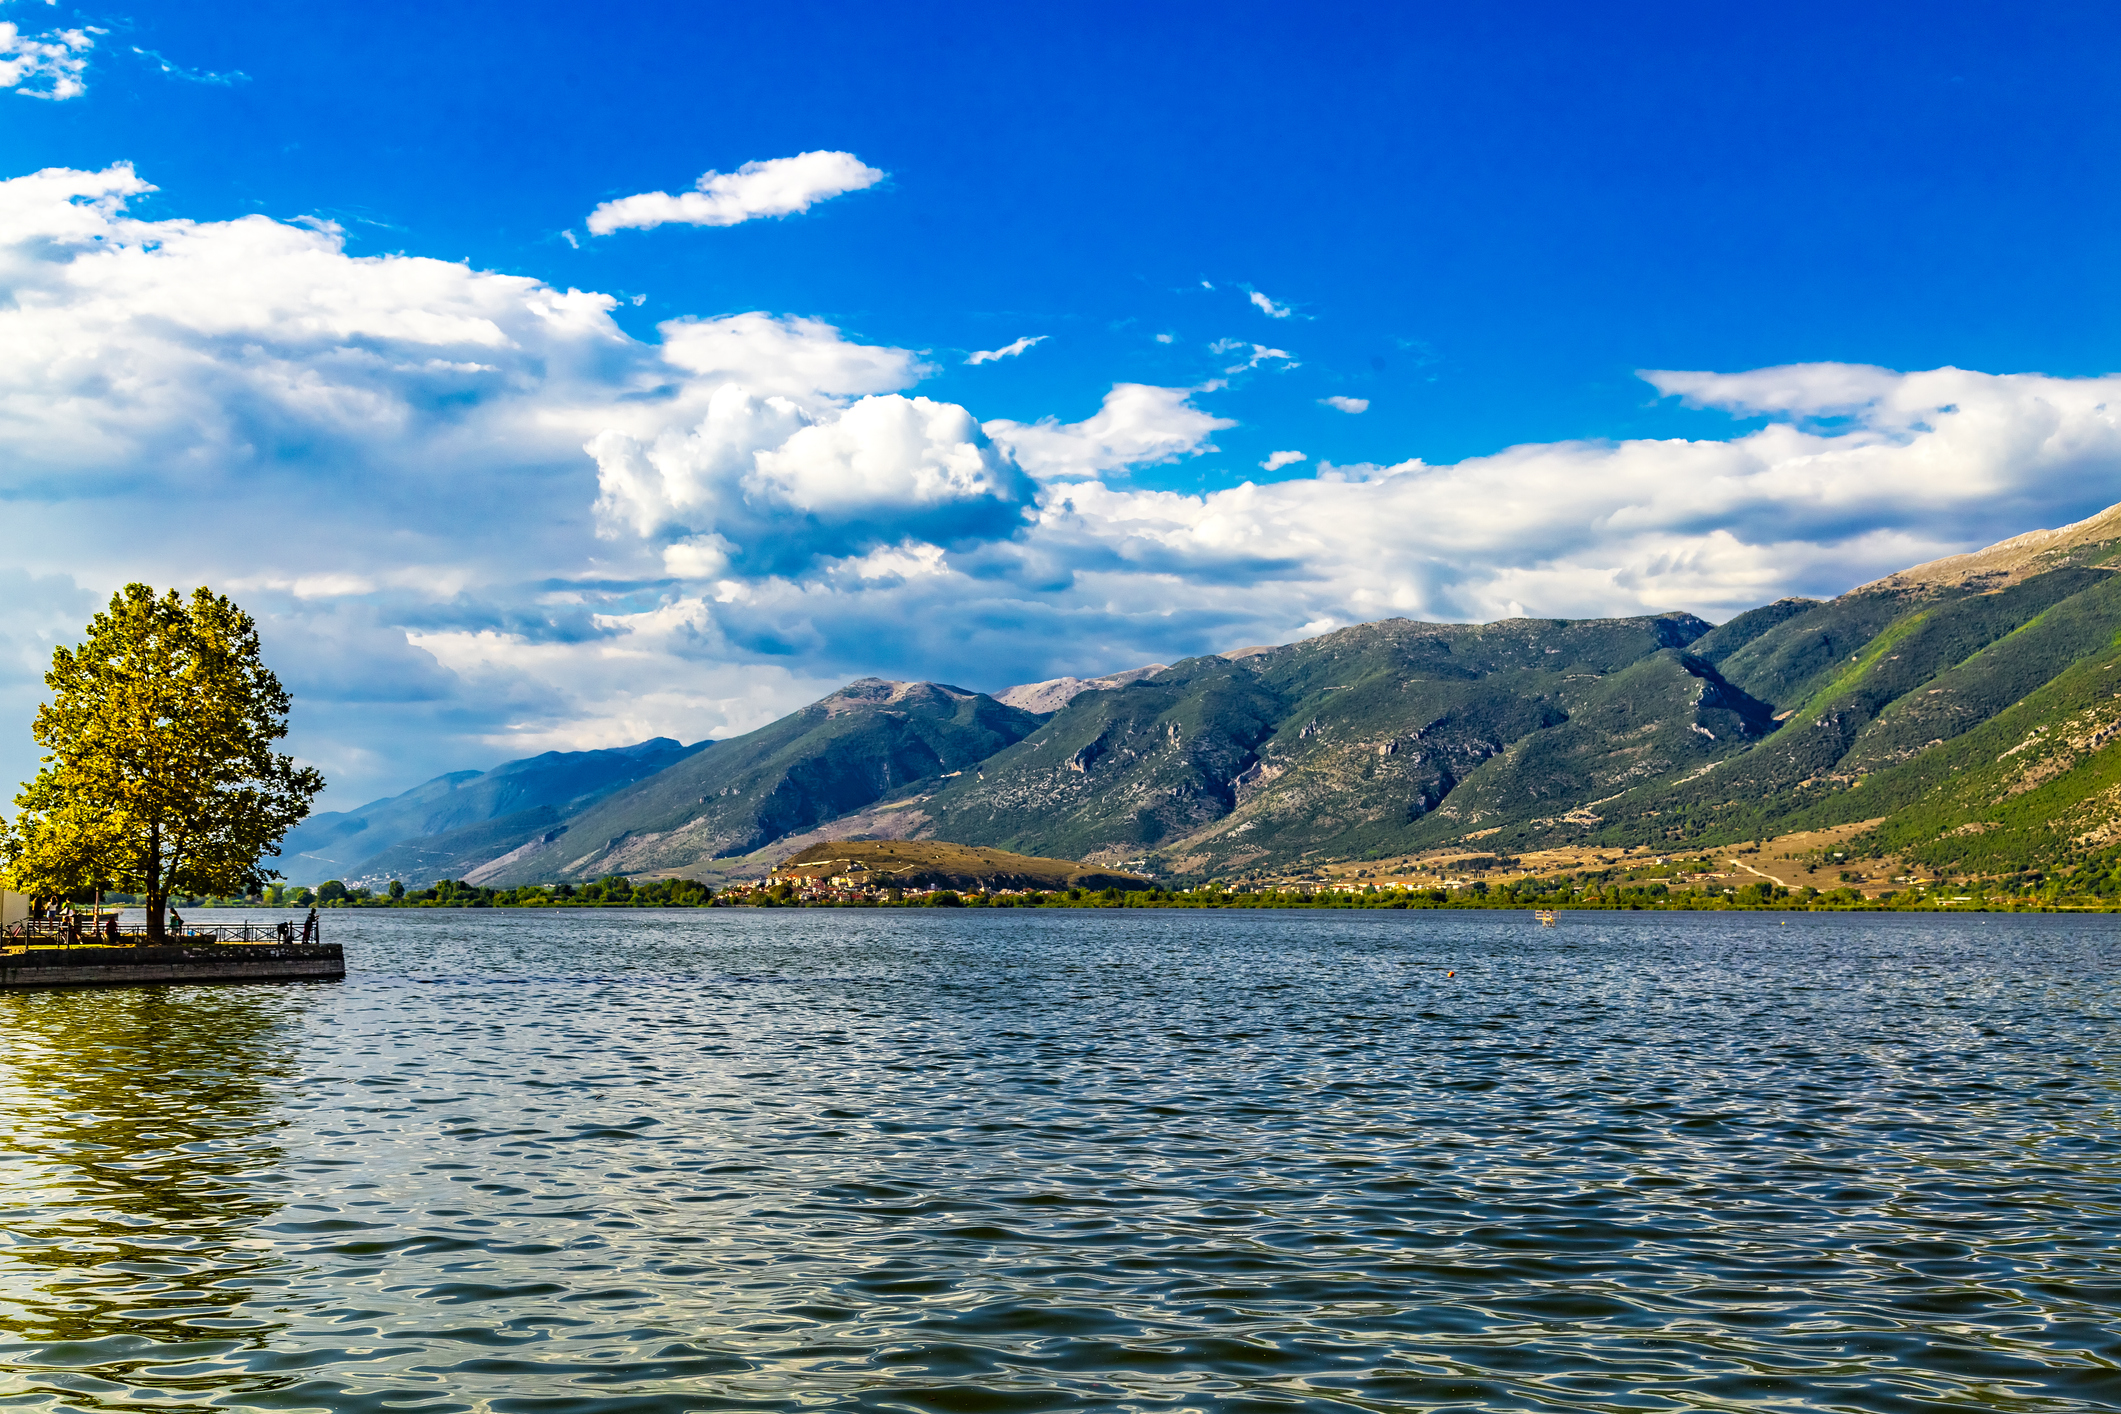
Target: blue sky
x,y
330,361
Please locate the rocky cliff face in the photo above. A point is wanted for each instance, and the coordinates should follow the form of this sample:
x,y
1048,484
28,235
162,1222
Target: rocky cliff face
x,y
1055,693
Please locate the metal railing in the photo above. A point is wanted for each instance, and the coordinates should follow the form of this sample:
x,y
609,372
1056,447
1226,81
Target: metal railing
x,y
82,933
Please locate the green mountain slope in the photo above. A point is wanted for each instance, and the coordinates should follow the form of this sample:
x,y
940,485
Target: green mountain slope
x,y
1394,737
1879,696
1969,705
1332,746
837,755
2037,787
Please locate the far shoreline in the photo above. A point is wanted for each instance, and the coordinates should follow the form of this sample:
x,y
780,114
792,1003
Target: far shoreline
x,y
1216,902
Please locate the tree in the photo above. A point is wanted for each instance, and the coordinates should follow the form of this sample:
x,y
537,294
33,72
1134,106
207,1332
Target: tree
x,y
159,774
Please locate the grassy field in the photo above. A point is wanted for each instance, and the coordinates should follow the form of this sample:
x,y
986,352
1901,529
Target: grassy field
x,y
931,864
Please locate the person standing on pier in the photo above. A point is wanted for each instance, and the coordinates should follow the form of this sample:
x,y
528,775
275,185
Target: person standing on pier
x,y
309,927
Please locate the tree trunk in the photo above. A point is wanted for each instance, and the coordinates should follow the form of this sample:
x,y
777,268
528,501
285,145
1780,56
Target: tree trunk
x,y
157,892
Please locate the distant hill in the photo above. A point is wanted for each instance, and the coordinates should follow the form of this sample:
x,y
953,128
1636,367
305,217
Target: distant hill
x,y
342,843
837,755
1969,706
472,853
932,864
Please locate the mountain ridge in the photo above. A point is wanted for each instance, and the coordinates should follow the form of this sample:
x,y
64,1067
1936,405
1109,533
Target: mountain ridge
x,y
1404,735
346,842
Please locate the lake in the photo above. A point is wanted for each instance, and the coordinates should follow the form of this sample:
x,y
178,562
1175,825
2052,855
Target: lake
x,y
1160,1160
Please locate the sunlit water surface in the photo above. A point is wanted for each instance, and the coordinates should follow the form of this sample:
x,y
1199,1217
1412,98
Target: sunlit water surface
x,y
978,1161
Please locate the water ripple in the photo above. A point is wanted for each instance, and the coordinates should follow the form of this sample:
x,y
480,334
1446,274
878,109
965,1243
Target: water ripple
x,y
1155,1161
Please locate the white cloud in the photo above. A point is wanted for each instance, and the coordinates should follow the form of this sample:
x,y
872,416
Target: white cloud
x,y
1277,460
1927,464
782,186
803,359
779,482
1347,405
1137,425
1268,307
1006,350
701,557
910,559
1167,338
884,455
1259,353
661,672
318,430
481,520
178,71
45,65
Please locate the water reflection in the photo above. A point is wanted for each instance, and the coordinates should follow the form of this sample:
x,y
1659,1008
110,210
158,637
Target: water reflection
x,y
141,1152
622,1164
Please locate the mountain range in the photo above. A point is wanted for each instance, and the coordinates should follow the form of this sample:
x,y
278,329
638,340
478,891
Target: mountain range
x,y
433,825
1960,710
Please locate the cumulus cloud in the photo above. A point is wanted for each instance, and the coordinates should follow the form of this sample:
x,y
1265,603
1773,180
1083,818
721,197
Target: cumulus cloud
x,y
45,65
1915,466
1006,350
782,186
480,519
779,485
1138,424
1268,307
1277,460
279,417
1346,404
883,454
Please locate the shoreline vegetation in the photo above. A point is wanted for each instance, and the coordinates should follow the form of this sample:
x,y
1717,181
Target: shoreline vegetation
x,y
619,892
939,874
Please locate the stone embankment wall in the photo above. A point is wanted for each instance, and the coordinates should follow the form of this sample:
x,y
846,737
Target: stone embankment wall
x,y
106,967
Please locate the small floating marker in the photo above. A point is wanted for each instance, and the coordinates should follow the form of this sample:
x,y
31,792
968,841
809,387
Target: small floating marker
x,y
1450,974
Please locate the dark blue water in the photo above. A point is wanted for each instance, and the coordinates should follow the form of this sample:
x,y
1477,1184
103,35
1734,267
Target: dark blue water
x,y
973,1161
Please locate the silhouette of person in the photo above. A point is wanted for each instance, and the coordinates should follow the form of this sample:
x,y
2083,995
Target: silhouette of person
x,y
309,927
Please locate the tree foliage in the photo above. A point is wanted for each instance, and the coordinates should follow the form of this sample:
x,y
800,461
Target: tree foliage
x,y
159,771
